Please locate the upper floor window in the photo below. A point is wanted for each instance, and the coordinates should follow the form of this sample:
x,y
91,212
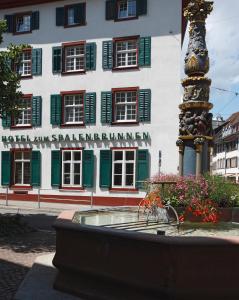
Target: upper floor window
x,y
126,9
119,10
24,117
71,15
25,68
125,106
74,58
22,22
126,53
74,109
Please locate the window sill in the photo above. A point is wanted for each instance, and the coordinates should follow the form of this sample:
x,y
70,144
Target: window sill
x,y
67,189
24,32
130,190
135,68
73,73
126,19
26,77
74,25
72,125
21,187
125,123
21,127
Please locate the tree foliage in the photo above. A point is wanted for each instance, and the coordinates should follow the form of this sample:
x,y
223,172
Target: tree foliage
x,y
9,79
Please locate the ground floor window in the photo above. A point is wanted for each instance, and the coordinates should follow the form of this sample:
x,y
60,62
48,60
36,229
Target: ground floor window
x,y
22,167
72,168
123,169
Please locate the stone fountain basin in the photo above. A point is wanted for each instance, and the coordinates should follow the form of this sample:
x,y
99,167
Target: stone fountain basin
x,y
103,263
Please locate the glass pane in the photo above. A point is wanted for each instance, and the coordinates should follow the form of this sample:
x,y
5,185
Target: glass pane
x,y
118,155
129,169
77,155
118,180
67,168
27,155
129,155
26,173
77,168
66,179
131,8
117,168
129,180
18,173
77,179
71,19
18,155
67,155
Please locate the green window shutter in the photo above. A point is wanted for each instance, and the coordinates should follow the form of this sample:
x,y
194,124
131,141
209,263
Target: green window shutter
x,y
144,105
35,20
56,59
36,111
60,16
56,109
6,121
107,55
141,7
88,168
110,10
6,167
105,168
10,23
142,167
36,168
106,107
145,51
37,61
80,13
90,108
90,56
55,168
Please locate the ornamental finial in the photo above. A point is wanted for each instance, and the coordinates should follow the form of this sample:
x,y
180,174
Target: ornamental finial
x,y
198,10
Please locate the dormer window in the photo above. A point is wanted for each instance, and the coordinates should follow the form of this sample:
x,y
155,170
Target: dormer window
x,y
126,9
23,23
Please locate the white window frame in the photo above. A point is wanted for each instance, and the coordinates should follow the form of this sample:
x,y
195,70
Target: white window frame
x,y
126,104
127,16
25,68
73,106
74,57
22,160
26,25
123,161
125,53
71,184
24,111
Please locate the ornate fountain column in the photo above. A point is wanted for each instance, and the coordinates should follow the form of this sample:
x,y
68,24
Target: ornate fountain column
x,y
195,128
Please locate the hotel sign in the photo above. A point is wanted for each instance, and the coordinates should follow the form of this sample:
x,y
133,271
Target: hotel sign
x,y
82,137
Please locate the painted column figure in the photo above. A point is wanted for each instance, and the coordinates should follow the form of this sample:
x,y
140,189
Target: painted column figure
x,y
195,120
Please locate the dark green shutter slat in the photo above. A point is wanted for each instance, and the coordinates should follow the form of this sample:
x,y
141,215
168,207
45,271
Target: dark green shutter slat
x,y
107,55
10,25
6,167
141,7
105,168
6,121
145,51
142,167
55,168
144,105
80,13
56,109
57,59
90,108
88,168
35,20
36,168
90,56
110,10
60,14
106,107
36,110
37,61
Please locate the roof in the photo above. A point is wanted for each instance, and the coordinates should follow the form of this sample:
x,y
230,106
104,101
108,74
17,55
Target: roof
x,y
233,119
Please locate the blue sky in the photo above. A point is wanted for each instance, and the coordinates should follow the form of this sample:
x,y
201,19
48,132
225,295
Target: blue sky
x,y
223,47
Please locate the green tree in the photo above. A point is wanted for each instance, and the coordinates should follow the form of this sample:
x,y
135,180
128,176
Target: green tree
x,y
9,79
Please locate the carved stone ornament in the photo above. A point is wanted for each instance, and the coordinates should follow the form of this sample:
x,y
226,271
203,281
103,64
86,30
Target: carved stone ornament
x,y
198,10
199,141
179,143
196,92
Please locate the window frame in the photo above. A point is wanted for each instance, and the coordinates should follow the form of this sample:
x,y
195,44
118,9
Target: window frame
x,y
117,19
125,39
123,187
71,187
18,15
70,93
128,89
22,126
66,8
17,185
68,45
15,67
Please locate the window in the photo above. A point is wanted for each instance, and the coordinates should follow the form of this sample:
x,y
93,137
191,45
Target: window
x,y
72,168
123,166
74,109
126,54
24,117
126,9
22,167
125,106
71,15
23,23
75,58
25,68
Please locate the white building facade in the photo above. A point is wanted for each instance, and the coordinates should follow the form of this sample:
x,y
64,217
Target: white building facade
x,y
225,161
101,85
